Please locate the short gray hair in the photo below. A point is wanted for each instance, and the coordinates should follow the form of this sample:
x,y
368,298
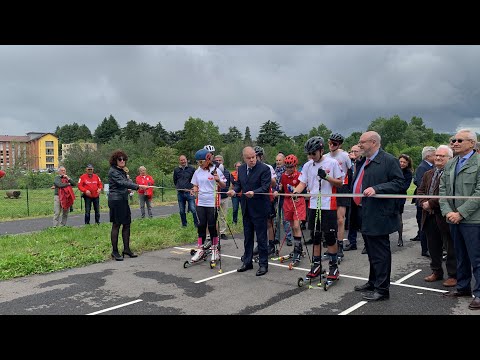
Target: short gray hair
x,y
448,148
471,134
427,150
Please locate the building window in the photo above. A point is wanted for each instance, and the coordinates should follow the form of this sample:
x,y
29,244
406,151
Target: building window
x,y
50,159
49,152
49,144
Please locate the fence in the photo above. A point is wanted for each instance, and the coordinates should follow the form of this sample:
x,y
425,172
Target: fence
x,y
26,202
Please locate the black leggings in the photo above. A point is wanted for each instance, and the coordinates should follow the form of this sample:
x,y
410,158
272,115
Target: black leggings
x,y
125,236
207,217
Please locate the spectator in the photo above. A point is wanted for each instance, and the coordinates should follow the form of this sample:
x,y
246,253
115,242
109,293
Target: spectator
x,y
428,156
378,173
145,196
223,198
407,171
235,199
355,156
280,218
461,177
182,177
90,185
63,197
120,214
434,224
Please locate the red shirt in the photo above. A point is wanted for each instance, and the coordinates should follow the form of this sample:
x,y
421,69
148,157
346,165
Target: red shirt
x,y
94,184
145,180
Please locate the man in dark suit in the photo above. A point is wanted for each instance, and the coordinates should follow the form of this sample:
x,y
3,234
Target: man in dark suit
x,y
377,173
428,156
254,177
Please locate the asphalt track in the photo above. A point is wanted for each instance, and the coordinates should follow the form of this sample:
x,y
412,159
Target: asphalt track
x,y
156,283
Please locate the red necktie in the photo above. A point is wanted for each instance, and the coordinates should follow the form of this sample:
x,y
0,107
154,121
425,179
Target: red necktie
x,y
358,188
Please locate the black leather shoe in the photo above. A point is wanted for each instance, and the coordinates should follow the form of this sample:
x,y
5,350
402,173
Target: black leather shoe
x,y
262,271
426,254
129,253
350,247
376,296
116,256
223,237
475,304
416,238
457,293
245,267
364,287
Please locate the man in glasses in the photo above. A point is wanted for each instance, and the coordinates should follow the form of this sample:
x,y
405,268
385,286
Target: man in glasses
x,y
428,156
90,185
335,142
461,177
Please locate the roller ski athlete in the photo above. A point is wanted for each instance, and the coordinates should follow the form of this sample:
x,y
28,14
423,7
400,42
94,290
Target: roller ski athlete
x,y
322,175
205,181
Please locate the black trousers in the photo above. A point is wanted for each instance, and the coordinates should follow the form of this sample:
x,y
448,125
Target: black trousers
x,y
258,226
88,208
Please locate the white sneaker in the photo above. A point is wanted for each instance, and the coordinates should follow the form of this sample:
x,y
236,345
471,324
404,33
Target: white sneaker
x,y
198,255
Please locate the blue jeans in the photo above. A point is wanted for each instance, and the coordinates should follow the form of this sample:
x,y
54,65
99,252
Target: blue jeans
x,y
235,204
184,197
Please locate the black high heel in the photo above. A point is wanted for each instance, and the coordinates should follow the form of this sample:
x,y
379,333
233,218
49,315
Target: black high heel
x,y
116,256
129,253
400,243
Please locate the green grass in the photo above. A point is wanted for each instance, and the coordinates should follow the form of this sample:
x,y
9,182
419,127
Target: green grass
x,y
55,249
40,203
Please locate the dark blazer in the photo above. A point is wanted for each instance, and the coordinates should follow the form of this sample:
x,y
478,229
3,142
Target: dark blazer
x,y
434,203
257,181
407,174
383,173
417,180
118,184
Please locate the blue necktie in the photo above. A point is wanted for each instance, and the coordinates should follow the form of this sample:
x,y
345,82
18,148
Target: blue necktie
x,y
459,165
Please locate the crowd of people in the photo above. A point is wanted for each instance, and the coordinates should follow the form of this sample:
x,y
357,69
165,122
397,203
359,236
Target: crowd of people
x,y
271,198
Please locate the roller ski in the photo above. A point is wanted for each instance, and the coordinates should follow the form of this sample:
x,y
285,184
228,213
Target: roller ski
x,y
297,255
272,251
315,273
215,256
198,255
332,277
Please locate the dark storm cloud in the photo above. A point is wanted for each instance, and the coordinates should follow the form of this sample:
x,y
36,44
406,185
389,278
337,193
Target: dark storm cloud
x,y
345,87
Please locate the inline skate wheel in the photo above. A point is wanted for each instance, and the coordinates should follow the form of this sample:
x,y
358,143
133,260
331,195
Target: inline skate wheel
x,y
192,252
290,266
281,260
212,264
220,271
186,264
325,285
300,282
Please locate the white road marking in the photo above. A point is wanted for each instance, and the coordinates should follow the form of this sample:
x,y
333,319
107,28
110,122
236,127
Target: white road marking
x,y
341,275
115,307
353,308
216,276
399,281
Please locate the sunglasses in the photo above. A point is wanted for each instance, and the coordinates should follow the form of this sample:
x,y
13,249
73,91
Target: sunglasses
x,y
334,143
121,159
453,141
312,153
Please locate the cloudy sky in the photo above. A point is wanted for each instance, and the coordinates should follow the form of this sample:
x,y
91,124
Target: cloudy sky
x,y
344,87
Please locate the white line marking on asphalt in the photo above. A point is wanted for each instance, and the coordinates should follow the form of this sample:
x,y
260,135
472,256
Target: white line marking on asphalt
x,y
216,276
341,276
115,307
399,281
353,308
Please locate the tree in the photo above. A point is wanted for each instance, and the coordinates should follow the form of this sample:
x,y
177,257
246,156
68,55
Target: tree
x,y
270,134
233,135
166,159
391,130
84,133
322,131
107,130
197,134
161,136
248,138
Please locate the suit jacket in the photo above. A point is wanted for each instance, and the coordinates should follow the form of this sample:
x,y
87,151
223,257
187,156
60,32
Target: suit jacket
x,y
466,183
257,181
434,203
384,175
417,180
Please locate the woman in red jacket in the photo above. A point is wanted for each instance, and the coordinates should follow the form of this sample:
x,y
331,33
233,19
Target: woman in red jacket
x,y
145,196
